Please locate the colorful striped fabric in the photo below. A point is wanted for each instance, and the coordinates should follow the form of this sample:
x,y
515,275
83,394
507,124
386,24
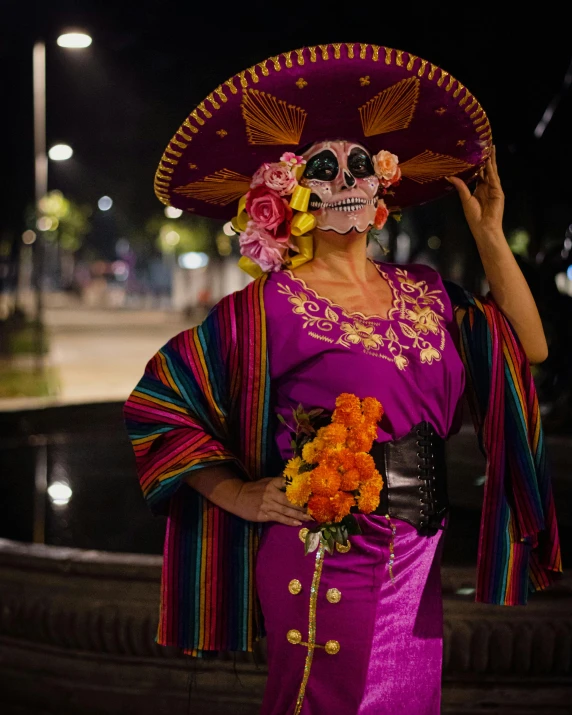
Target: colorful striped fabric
x,y
183,415
519,546
205,398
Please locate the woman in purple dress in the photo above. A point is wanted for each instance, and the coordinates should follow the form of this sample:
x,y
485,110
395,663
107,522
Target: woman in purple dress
x,y
357,631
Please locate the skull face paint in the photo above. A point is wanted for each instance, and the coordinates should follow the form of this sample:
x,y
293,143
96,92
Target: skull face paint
x,y
344,186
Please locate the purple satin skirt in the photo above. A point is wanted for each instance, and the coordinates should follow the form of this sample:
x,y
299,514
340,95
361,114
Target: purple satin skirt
x,y
385,639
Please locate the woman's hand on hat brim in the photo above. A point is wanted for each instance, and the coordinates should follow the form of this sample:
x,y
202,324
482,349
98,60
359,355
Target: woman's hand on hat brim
x,y
484,207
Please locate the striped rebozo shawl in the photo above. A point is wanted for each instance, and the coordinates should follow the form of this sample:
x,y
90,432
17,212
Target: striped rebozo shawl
x,y
205,398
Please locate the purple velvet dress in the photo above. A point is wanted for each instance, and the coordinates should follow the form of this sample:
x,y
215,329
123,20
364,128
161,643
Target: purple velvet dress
x,y
388,631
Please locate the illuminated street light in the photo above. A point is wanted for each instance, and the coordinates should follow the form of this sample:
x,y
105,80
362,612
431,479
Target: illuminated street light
x,y
59,493
74,40
60,152
172,212
104,203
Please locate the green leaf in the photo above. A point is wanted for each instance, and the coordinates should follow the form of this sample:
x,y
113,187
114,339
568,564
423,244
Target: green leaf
x,y
351,524
338,536
330,545
315,412
312,542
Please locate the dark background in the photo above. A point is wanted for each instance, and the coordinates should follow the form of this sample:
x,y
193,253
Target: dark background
x,y
118,102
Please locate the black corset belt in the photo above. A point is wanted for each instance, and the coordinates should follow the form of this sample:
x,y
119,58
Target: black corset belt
x,y
414,479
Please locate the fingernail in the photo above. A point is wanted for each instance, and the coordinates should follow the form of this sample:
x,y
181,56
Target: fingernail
x,y
297,523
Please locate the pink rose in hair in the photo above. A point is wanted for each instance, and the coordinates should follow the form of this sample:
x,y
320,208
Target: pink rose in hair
x,y
270,212
386,168
258,177
260,246
279,178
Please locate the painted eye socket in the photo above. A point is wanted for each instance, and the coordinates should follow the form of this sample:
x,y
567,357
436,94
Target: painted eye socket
x,y
322,166
360,164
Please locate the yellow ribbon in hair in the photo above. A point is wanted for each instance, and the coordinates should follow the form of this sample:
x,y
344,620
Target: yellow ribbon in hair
x,y
298,170
249,266
300,198
241,219
305,245
302,223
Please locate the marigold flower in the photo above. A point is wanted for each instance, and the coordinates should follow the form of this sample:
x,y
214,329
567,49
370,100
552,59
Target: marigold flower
x,y
360,439
348,410
299,490
341,503
311,450
347,399
333,434
365,464
374,483
372,410
346,459
350,480
329,457
321,508
292,467
324,481
368,499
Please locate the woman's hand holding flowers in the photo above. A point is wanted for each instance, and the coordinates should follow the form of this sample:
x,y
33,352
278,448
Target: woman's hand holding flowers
x,y
265,500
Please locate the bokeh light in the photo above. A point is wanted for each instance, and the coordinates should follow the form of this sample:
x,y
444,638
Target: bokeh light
x,y
172,212
44,223
28,237
74,40
172,238
104,203
59,493
60,152
193,259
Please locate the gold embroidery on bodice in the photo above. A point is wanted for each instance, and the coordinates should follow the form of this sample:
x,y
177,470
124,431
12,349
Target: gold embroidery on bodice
x,y
416,312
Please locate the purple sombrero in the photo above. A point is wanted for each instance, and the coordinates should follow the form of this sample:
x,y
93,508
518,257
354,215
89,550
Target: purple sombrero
x,y
377,96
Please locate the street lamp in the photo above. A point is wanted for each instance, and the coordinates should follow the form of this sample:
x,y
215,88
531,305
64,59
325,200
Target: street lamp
x,y
75,40
60,152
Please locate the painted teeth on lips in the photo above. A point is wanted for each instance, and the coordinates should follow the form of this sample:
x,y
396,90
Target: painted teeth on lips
x,y
352,204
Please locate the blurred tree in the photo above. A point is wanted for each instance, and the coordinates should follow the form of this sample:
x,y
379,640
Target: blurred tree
x,y
62,221
181,235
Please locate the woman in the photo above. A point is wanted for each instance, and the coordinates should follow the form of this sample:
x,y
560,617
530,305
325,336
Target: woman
x,y
358,630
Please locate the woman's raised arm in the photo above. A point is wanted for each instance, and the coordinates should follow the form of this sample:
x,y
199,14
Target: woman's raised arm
x,y
484,212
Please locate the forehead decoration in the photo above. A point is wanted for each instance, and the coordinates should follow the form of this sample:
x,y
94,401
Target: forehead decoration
x,y
393,101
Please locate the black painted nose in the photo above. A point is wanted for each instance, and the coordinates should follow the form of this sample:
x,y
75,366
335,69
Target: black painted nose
x,y
349,181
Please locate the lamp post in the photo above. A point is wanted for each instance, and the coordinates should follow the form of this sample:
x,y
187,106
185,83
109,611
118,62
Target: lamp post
x,y
73,40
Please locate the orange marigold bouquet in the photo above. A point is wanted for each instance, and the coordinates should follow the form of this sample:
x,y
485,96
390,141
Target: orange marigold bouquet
x,y
332,470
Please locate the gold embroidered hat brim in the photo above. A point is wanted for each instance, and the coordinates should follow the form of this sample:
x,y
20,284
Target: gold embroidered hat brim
x,y
377,96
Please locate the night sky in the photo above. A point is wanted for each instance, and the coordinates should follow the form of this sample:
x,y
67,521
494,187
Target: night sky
x,y
118,103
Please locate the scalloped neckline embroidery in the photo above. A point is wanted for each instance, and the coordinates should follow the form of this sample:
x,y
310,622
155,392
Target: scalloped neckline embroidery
x,y
354,314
